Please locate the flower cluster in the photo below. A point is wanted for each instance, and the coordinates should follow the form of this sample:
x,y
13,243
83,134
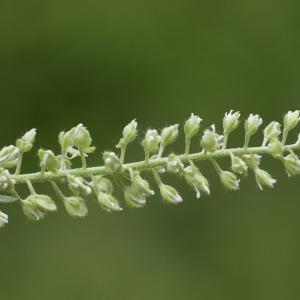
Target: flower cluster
x,y
100,181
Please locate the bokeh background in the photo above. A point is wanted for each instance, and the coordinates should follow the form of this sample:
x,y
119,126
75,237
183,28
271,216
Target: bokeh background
x,y
104,63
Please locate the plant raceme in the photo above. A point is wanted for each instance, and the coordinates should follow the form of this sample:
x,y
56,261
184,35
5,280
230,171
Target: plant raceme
x,y
98,181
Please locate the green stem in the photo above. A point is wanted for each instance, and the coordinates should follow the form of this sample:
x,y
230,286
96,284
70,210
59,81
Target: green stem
x,y
123,151
225,140
30,187
247,140
19,163
284,136
58,190
146,165
187,145
83,160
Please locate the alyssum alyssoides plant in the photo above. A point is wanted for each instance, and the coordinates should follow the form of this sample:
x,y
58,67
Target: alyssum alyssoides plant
x,y
57,169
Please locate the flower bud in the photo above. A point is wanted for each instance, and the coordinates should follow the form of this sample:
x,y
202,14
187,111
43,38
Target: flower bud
x,y
5,180
82,139
112,162
231,121
292,164
272,131
276,147
25,143
169,194
44,202
191,126
211,141
9,157
102,184
31,210
229,180
3,219
66,139
108,202
48,160
252,124
77,186
141,185
263,178
291,120
174,164
133,198
129,134
238,165
75,207
196,180
169,135
252,160
151,141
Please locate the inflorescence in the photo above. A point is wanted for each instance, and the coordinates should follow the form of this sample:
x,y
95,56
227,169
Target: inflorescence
x,y
82,182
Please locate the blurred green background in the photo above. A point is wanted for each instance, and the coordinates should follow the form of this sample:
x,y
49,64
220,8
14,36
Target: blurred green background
x,y
104,63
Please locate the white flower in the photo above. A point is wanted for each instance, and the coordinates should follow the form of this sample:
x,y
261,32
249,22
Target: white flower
x,y
263,178
231,121
191,126
238,165
291,119
252,124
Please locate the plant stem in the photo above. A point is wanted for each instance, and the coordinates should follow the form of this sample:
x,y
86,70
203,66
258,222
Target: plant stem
x,y
187,145
146,165
19,163
83,160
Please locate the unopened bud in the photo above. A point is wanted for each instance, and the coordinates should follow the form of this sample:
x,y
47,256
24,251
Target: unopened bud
x,y
133,198
141,185
291,120
252,124
25,143
272,131
174,164
48,160
169,135
112,161
129,134
66,139
6,182
76,207
108,202
31,210
292,164
229,180
238,165
9,157
276,147
82,139
78,186
102,184
231,121
151,141
211,141
263,178
196,180
191,126
169,194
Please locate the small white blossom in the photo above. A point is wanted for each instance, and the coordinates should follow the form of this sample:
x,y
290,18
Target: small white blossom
x,y
231,121
252,124
191,126
263,178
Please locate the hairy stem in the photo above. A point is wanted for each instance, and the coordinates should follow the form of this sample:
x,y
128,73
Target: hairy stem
x,y
146,164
